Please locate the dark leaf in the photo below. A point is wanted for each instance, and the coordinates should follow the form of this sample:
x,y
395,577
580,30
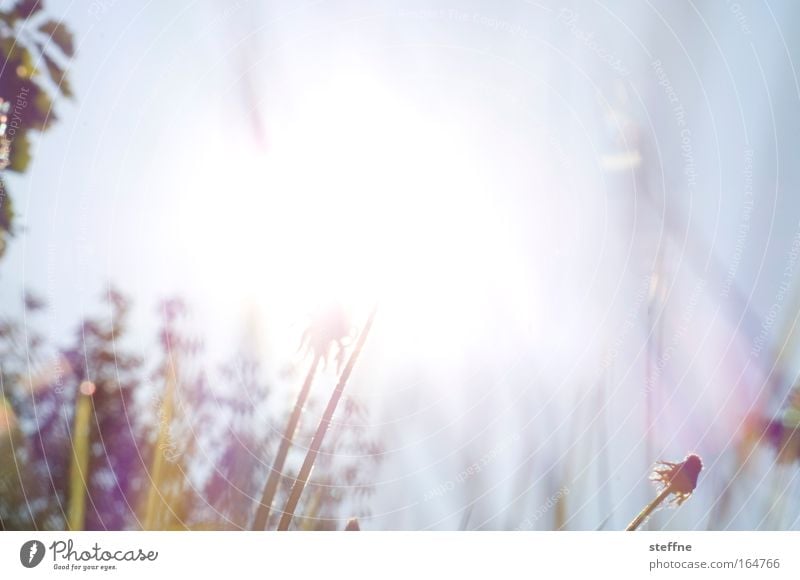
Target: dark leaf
x,y
59,34
44,107
6,218
24,9
20,154
58,75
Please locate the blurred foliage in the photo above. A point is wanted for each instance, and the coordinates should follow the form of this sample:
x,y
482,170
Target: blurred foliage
x,y
32,482
35,52
171,444
97,356
213,441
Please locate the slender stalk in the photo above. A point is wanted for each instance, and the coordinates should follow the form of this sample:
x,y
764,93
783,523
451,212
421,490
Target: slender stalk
x,y
322,429
649,509
162,443
276,473
79,466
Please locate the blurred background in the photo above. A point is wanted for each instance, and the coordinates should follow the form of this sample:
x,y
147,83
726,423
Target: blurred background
x,y
578,221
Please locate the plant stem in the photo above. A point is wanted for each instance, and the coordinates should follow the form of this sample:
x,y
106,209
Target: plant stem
x,y
649,509
78,470
275,474
157,466
322,428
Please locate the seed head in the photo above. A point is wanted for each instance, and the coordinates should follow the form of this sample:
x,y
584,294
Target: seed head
x,y
679,478
328,329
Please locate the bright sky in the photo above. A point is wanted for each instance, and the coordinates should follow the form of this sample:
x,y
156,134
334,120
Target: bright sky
x,y
451,162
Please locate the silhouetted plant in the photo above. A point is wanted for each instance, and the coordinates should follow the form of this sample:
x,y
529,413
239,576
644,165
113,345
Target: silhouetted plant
x,y
229,413
322,428
32,467
676,479
342,473
324,335
105,374
167,500
30,43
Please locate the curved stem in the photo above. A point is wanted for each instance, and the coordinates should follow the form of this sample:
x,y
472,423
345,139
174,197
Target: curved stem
x,y
276,473
322,429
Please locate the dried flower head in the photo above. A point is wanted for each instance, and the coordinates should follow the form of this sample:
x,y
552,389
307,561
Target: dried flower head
x,y
328,329
679,478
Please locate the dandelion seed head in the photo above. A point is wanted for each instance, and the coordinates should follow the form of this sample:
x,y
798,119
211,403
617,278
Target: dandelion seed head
x,y
326,333
679,478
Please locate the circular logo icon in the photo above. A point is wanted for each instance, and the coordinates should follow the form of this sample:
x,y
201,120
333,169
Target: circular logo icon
x,y
31,553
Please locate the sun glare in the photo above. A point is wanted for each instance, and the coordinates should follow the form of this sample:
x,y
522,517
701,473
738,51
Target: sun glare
x,y
361,198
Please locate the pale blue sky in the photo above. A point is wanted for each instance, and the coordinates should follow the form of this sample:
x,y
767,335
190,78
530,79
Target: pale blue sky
x,y
162,119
